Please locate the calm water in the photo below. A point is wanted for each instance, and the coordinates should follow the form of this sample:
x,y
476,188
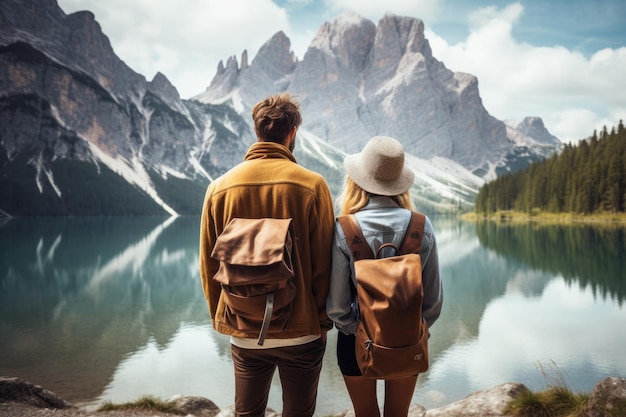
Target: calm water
x,y
100,309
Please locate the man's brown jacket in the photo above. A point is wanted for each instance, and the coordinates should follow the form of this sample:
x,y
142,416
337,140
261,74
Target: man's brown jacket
x,y
269,183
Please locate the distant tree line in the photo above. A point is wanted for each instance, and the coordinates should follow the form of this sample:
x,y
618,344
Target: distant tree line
x,y
586,178
560,250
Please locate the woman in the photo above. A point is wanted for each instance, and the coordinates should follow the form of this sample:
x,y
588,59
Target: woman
x,y
376,191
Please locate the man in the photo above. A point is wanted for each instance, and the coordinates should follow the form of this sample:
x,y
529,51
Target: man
x,y
270,183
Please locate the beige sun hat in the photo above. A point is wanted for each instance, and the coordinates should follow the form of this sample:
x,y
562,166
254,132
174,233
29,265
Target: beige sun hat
x,y
379,168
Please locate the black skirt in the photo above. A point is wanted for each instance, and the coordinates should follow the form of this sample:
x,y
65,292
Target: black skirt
x,y
346,356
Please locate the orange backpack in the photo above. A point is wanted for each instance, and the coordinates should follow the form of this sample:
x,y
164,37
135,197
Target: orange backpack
x,y
392,336
256,273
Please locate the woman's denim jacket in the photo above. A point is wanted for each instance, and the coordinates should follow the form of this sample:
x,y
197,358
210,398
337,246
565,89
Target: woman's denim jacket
x,y
381,221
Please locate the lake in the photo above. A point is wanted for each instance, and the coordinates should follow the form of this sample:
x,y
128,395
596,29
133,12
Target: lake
x,y
99,309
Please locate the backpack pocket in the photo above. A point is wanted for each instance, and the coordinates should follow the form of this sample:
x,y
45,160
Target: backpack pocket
x,y
383,362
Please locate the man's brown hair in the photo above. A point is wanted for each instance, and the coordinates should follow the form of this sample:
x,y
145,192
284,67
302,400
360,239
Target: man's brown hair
x,y
275,116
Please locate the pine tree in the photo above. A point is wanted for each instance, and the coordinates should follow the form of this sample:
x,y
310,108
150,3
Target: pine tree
x,y
585,178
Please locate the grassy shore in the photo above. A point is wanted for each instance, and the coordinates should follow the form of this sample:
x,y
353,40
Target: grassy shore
x,y
147,403
553,402
608,219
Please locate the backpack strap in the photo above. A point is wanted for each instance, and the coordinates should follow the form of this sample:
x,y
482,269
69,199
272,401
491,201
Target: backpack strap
x,y
412,242
354,236
267,317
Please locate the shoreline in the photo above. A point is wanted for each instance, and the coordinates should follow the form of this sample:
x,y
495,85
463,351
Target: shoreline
x,y
547,218
20,398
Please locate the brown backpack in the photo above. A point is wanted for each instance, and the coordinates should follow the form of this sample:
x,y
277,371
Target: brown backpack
x,y
256,273
392,336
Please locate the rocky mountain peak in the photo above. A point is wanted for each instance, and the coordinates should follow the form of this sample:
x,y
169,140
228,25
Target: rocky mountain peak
x,y
358,80
244,59
275,57
406,32
76,40
231,64
533,127
397,39
94,41
164,90
225,78
349,38
162,84
401,90
265,74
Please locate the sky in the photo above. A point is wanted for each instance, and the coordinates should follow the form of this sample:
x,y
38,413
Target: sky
x,y
561,60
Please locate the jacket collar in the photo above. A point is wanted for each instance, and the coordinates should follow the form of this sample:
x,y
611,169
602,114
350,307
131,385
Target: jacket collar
x,y
269,150
380,201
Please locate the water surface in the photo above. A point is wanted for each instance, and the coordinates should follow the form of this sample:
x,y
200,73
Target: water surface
x,y
98,309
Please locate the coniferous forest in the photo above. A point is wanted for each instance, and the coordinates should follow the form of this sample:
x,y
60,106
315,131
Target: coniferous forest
x,y
586,178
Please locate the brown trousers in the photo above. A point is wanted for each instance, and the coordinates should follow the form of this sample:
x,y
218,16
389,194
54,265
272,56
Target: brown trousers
x,y
299,369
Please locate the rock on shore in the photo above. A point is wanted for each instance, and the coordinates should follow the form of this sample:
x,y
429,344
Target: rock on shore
x,y
19,398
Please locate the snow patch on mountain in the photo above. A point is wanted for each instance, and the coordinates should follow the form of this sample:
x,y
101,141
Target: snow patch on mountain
x,y
445,177
40,169
317,148
193,161
169,171
491,171
134,173
232,99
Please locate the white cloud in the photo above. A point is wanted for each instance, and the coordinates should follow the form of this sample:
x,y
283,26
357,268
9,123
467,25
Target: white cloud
x,y
426,9
571,122
300,3
487,15
517,79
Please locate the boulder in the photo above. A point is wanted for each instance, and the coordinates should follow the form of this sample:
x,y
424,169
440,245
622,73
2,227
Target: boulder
x,y
487,403
417,410
608,398
18,390
195,406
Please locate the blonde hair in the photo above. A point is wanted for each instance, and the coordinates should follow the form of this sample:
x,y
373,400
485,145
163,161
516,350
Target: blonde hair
x,y
353,198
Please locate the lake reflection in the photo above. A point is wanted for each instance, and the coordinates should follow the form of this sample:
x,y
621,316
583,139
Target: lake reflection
x,y
112,308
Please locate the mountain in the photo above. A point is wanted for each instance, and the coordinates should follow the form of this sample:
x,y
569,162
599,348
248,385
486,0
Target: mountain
x,y
358,80
81,133
533,143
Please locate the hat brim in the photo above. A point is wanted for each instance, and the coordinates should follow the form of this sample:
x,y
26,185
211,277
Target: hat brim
x,y
356,170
